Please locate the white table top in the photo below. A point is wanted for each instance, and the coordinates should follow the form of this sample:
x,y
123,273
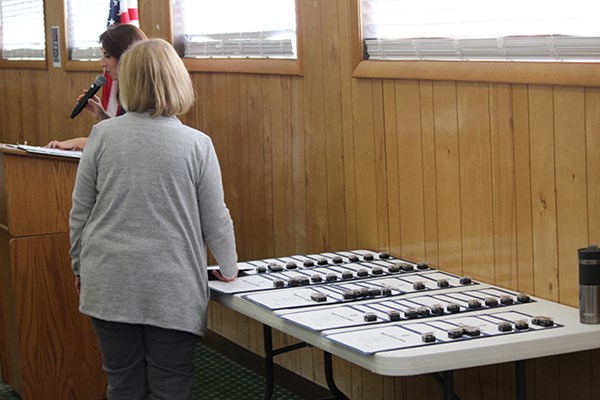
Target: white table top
x,y
359,344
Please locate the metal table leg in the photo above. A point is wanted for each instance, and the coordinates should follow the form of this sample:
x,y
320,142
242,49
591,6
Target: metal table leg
x,y
446,382
329,378
268,342
520,379
270,353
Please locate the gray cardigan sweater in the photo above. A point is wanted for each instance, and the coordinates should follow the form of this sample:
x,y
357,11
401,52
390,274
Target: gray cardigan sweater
x,y
148,196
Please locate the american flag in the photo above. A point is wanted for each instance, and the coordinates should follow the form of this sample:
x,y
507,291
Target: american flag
x,y
121,12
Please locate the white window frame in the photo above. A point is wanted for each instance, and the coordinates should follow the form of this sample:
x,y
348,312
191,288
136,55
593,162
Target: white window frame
x,y
33,59
89,65
553,73
87,49
280,66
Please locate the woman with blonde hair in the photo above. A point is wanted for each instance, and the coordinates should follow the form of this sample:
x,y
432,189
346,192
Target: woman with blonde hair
x,y
148,197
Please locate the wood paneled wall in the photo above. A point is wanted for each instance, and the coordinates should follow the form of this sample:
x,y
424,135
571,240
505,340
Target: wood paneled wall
x,y
496,181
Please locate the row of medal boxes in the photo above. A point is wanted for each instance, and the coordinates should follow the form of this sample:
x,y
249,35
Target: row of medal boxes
x,y
451,308
395,311
392,264
331,277
435,309
504,326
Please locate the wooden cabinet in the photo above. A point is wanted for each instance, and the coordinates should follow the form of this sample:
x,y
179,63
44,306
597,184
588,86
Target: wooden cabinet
x,y
48,350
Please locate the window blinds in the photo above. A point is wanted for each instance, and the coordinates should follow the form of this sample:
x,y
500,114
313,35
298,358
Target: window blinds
x,y
22,30
238,28
86,20
511,30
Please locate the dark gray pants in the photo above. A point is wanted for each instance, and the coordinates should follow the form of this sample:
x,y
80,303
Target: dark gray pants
x,y
146,362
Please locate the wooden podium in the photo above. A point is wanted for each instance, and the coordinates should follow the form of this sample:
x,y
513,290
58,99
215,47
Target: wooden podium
x,y
48,350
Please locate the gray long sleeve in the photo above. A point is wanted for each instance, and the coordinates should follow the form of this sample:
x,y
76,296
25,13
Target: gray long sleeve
x,y
148,197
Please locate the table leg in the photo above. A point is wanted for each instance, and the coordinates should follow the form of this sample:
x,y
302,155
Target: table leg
x,y
268,342
329,378
270,353
446,382
521,383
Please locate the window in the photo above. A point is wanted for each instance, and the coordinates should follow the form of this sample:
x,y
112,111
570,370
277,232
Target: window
x,y
22,30
514,41
510,30
234,34
86,20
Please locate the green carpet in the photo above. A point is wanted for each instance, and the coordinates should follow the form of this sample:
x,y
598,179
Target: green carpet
x,y
6,393
217,378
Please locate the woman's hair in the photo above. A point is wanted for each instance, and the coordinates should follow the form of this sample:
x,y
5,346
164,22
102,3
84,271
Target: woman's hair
x,y
117,38
152,77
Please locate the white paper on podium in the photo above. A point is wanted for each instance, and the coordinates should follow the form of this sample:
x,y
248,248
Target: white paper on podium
x,y
50,152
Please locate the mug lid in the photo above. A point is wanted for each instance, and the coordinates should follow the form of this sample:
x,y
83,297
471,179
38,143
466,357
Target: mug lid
x,y
592,252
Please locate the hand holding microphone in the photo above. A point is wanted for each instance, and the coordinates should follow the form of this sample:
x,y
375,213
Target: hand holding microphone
x,y
98,83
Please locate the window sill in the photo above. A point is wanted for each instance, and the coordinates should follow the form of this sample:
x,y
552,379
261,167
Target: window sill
x,y
24,64
250,66
83,66
575,74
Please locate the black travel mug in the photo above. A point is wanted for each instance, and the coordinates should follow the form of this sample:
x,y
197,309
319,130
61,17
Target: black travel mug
x,y
589,285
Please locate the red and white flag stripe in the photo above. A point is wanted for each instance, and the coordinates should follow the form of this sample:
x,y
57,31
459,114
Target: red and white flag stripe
x,y
121,12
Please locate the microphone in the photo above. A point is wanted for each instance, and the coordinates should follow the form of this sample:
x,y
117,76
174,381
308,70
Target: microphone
x,y
98,83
